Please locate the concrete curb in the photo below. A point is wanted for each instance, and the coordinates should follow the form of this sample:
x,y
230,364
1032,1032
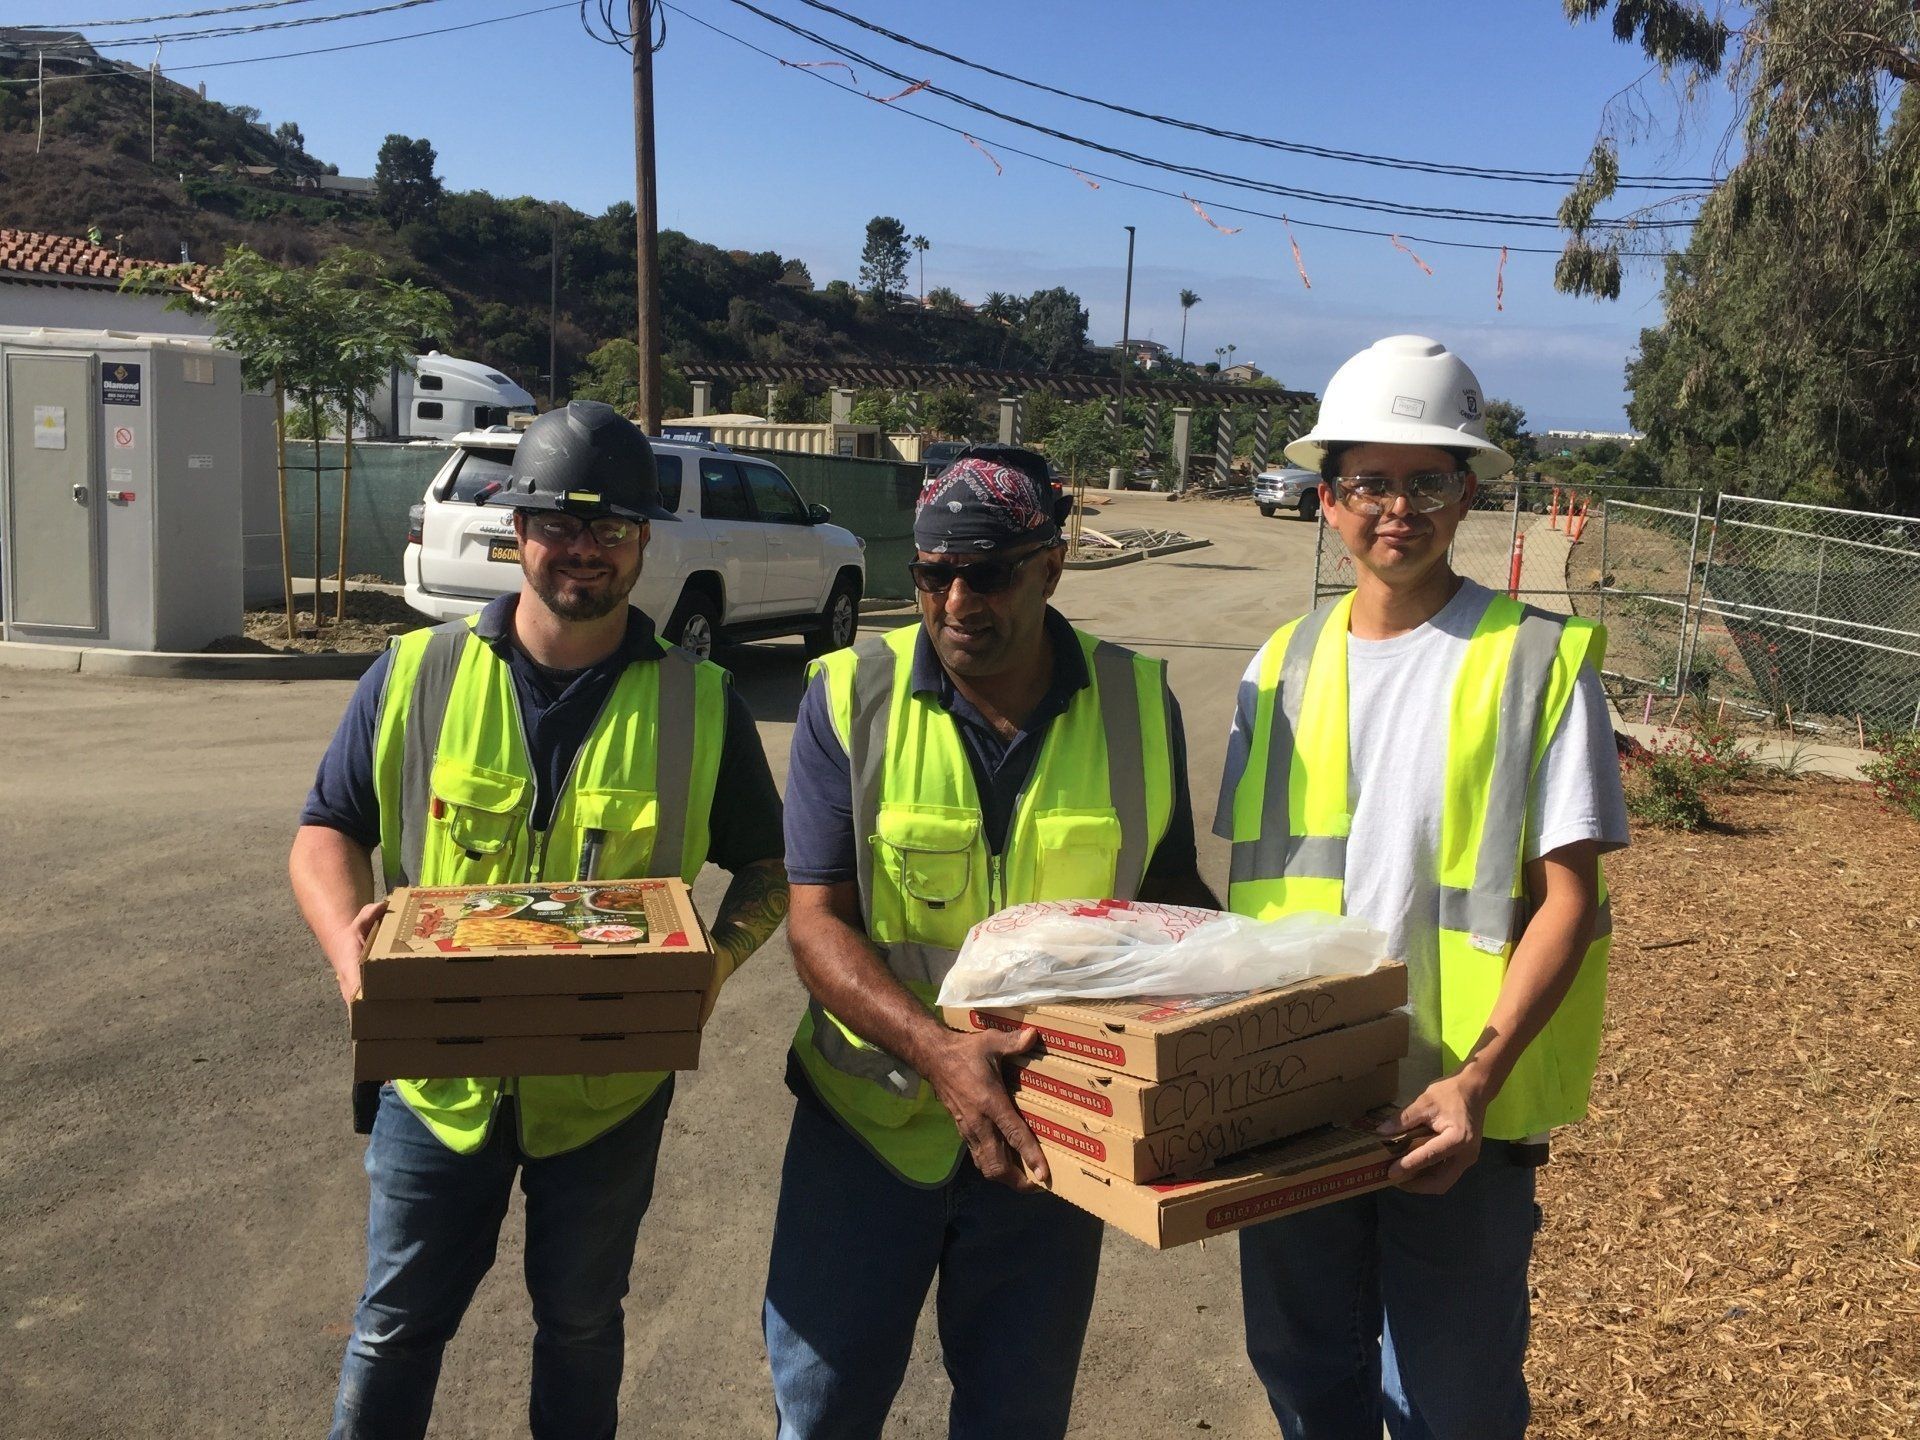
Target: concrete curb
x,y
1128,557
183,665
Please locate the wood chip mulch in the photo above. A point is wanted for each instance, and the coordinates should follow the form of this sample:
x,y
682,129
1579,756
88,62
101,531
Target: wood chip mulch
x,y
1732,1238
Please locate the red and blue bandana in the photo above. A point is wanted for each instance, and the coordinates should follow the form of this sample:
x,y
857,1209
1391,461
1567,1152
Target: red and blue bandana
x,y
976,505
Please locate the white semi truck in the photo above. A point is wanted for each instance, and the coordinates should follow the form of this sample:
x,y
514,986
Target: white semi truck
x,y
442,396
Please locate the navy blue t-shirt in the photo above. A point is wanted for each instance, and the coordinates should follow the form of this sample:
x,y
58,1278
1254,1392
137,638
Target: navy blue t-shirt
x,y
821,843
558,709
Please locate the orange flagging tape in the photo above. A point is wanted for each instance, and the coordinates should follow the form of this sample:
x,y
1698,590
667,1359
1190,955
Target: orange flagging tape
x,y
998,168
1298,263
912,89
1201,212
1416,259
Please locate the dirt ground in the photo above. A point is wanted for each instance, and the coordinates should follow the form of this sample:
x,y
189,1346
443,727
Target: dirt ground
x,y
1730,1242
372,618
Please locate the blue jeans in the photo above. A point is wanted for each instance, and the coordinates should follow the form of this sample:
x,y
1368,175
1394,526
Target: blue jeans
x,y
1407,1308
855,1249
433,1220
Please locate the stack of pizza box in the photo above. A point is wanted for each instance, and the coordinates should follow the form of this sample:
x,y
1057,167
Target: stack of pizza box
x,y
592,978
1176,1119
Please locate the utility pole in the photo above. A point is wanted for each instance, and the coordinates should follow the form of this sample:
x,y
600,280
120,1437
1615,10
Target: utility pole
x,y
1126,322
646,215
553,309
153,109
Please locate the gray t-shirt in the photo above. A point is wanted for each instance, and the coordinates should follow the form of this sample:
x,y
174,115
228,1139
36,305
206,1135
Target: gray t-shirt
x,y
1399,692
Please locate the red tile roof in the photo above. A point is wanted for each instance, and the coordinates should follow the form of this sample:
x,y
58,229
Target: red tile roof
x,y
33,252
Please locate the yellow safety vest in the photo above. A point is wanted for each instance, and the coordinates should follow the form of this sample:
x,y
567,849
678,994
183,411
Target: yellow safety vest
x,y
456,789
1291,822
1084,828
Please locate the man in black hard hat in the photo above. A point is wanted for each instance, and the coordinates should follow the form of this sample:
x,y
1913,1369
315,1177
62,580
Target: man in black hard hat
x,y
551,737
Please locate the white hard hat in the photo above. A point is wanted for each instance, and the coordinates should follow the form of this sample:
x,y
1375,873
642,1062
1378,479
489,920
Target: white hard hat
x,y
1403,390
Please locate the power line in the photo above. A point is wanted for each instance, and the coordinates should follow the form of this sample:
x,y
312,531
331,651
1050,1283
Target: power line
x,y
1124,184
1218,177
222,32
1358,157
141,75
177,15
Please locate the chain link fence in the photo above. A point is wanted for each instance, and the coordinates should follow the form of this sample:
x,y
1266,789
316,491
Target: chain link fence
x,y
1810,614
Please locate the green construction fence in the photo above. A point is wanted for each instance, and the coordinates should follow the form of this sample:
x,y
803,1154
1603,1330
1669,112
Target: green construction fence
x,y
872,498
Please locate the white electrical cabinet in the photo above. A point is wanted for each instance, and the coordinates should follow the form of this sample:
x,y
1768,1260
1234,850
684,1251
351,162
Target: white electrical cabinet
x,y
120,489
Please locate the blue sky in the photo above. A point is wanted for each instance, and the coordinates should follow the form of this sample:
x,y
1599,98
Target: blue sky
x,y
753,155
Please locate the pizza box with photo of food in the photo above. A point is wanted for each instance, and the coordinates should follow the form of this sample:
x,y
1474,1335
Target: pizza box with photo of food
x,y
578,938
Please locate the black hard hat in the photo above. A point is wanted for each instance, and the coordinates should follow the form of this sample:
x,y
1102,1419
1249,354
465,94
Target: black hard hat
x,y
587,459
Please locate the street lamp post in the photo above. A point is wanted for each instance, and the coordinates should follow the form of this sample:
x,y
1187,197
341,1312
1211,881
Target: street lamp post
x,y
1126,322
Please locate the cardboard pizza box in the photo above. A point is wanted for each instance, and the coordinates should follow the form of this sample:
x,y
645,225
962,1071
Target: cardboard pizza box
x,y
1147,1107
501,1015
1159,1039
502,1055
1317,1168
1187,1150
611,937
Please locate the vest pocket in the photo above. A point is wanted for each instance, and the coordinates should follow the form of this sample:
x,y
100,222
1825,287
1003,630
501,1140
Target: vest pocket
x,y
1078,851
478,812
627,821
927,851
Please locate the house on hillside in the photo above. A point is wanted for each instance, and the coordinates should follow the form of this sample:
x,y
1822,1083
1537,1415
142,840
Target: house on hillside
x,y
1245,373
17,43
64,282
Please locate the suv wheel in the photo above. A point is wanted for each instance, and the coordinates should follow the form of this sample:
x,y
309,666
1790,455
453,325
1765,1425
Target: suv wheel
x,y
695,625
1309,505
839,622
1267,510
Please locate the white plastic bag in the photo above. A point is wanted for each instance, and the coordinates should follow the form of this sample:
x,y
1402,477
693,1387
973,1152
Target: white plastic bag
x,y
1110,950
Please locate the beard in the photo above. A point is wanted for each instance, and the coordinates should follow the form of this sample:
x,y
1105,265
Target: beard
x,y
588,598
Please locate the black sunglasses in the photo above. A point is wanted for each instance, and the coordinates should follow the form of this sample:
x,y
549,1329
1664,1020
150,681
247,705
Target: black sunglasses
x,y
983,577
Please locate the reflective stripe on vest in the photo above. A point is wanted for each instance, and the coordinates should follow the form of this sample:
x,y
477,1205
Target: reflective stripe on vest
x,y
1290,827
1105,766
644,777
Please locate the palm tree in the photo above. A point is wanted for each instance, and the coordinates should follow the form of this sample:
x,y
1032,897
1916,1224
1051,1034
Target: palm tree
x,y
998,306
1187,301
922,244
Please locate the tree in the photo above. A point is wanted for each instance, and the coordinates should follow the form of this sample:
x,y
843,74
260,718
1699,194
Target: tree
x,y
248,113
288,134
612,376
922,244
1056,326
1083,443
883,260
943,301
1786,364
1187,301
1000,307
1507,427
404,185
953,411
325,337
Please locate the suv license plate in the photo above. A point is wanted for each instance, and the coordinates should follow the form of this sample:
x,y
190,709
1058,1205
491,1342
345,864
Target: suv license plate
x,y
506,554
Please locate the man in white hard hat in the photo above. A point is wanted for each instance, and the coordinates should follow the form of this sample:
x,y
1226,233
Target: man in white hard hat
x,y
1438,759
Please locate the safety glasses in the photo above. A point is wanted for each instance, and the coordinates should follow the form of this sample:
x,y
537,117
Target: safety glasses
x,y
982,577
608,531
1375,494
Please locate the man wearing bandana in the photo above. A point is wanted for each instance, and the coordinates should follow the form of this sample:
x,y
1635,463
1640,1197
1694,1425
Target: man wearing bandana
x,y
990,756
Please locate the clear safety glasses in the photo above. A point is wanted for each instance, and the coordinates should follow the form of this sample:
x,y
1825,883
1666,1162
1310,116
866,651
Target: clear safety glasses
x,y
1375,494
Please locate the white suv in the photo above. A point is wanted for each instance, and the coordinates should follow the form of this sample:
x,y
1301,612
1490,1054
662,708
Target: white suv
x,y
747,559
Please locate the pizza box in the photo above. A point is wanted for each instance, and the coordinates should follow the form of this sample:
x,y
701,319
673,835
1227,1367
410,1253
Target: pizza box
x,y
1321,1166
1147,1107
616,937
612,1054
465,1016
1189,1149
1160,1039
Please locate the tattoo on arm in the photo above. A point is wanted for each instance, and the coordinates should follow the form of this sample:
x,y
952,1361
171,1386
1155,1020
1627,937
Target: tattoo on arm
x,y
754,906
